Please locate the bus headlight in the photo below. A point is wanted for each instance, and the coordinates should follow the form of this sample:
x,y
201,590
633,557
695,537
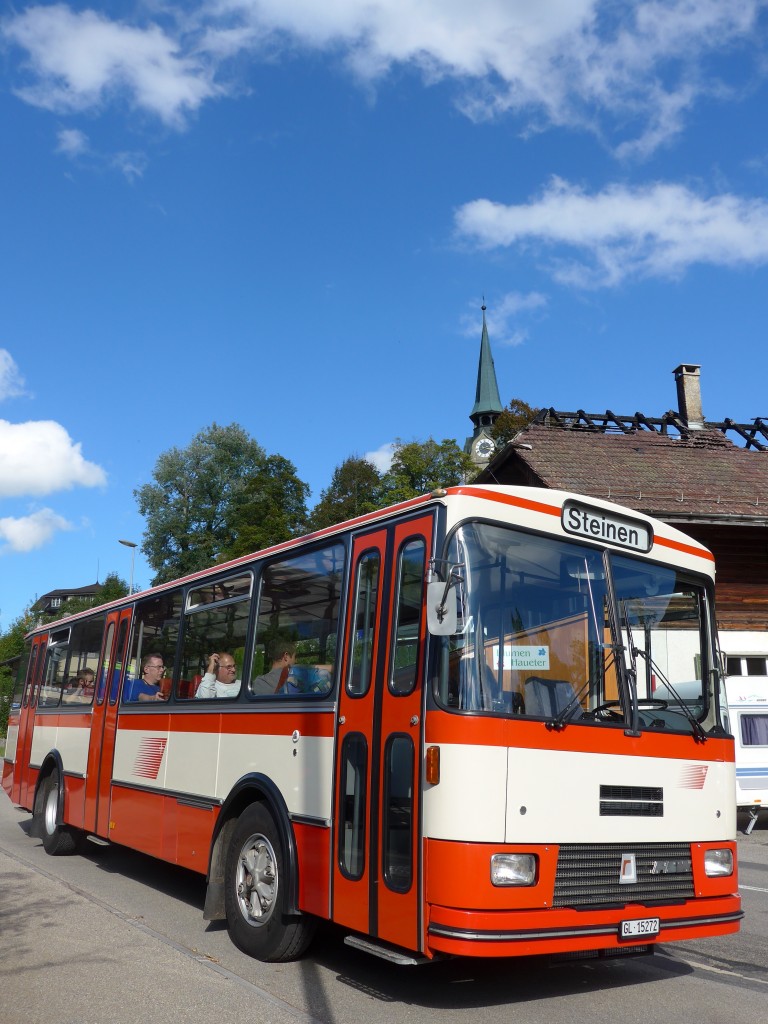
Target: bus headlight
x,y
718,862
513,869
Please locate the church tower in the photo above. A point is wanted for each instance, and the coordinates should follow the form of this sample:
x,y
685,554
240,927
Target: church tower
x,y
487,407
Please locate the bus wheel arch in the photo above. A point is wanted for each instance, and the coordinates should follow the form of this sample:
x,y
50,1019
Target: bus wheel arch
x,y
253,874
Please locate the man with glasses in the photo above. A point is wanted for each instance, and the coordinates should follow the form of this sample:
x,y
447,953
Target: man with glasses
x,y
220,677
149,686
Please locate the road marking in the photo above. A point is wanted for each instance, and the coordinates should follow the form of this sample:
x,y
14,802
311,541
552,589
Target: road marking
x,y
753,888
675,957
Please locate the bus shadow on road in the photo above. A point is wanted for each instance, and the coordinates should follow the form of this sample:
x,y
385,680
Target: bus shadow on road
x,y
458,984
176,882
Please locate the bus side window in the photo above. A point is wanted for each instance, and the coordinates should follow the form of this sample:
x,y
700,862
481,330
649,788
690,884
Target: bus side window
x,y
155,631
299,606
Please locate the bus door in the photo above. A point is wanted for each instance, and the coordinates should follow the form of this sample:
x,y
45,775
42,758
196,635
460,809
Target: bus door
x,y
101,749
20,790
377,807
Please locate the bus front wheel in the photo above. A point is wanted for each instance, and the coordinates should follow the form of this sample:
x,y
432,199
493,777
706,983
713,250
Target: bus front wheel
x,y
57,838
254,892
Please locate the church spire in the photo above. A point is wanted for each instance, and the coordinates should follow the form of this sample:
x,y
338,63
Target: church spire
x,y
487,407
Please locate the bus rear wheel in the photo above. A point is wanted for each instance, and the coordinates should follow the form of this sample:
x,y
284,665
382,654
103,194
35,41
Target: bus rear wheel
x,y
255,878
57,838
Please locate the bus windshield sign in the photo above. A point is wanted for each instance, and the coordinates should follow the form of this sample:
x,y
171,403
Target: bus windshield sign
x,y
600,524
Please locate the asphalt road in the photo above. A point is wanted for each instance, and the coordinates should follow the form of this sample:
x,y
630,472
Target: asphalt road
x,y
113,936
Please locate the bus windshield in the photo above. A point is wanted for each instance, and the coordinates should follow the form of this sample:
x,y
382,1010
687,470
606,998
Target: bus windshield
x,y
553,629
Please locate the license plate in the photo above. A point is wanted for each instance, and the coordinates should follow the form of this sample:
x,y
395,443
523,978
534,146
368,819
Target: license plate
x,y
639,928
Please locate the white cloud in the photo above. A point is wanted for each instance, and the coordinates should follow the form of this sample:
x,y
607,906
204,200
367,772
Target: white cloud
x,y
636,67
382,457
131,165
79,60
71,142
503,317
40,457
11,381
30,532
657,230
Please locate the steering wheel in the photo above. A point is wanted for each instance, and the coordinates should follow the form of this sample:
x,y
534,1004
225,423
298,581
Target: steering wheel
x,y
606,710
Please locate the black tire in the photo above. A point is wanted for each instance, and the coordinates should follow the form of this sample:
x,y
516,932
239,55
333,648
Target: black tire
x,y
255,886
58,840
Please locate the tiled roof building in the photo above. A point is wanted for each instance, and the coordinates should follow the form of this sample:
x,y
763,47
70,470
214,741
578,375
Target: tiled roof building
x,y
54,599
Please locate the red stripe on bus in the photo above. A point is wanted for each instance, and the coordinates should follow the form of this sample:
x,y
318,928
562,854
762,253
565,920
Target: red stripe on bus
x,y
476,730
677,545
236,724
508,499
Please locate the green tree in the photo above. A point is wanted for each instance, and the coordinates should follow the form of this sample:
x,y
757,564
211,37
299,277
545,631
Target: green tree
x,y
420,466
205,494
11,646
354,490
113,588
511,421
272,508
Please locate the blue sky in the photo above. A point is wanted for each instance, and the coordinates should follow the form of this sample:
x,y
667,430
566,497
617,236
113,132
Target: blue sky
x,y
285,214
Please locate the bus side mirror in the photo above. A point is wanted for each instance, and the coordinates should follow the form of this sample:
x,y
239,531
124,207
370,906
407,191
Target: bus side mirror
x,y
441,610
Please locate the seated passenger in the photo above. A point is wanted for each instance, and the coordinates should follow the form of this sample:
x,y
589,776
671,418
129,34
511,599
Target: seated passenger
x,y
283,655
148,687
219,679
81,691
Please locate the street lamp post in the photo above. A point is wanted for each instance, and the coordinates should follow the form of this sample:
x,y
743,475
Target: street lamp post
x,y
130,544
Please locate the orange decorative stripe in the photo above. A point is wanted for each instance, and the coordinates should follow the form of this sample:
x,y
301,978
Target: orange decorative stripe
x,y
676,545
508,499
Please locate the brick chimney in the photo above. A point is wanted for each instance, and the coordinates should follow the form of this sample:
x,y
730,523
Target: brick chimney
x,y
688,380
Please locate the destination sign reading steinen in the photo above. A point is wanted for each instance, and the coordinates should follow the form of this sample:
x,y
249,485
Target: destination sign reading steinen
x,y
600,524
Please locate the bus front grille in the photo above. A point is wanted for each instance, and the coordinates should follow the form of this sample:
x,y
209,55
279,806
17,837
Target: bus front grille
x,y
589,875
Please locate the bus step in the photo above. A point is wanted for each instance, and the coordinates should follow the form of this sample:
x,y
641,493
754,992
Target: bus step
x,y
391,953
98,840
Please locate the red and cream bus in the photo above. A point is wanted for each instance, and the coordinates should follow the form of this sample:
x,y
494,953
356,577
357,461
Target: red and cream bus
x,y
467,757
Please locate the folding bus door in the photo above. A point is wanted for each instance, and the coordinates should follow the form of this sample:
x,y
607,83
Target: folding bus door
x,y
377,881
101,749
20,793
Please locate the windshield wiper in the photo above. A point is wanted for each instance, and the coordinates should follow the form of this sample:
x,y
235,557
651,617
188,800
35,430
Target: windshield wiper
x,y
698,731
561,718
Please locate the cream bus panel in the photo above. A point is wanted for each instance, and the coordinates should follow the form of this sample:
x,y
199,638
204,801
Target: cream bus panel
x,y
560,791
71,743
554,796
519,506
207,765
11,742
470,800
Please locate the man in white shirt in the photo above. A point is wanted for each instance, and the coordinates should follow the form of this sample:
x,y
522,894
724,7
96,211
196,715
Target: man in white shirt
x,y
219,679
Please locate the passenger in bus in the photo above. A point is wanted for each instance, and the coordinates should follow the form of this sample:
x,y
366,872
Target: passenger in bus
x,y
148,687
82,688
283,655
219,679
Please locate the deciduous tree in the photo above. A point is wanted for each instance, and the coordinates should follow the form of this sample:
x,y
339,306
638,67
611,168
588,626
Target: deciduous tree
x,y
420,466
354,490
208,500
517,415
